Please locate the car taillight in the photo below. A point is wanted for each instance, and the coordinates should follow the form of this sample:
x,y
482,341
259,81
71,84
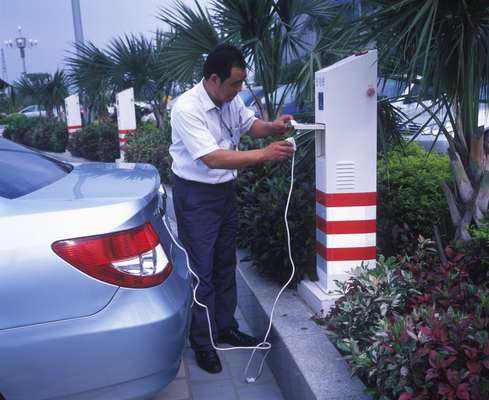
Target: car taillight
x,y
132,258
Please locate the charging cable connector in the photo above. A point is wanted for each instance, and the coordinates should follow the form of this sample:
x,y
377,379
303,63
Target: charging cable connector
x,y
291,140
306,127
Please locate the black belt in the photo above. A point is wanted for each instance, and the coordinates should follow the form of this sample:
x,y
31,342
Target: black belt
x,y
228,184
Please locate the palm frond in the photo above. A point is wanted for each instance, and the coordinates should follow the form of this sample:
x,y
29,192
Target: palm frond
x,y
44,89
132,62
444,42
194,35
90,70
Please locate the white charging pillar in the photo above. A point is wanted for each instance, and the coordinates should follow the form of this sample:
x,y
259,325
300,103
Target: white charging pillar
x,y
346,174
73,114
126,118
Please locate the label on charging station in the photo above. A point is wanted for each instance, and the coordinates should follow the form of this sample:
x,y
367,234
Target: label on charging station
x,y
320,101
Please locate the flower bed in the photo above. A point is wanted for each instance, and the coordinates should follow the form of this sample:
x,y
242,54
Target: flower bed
x,y
415,328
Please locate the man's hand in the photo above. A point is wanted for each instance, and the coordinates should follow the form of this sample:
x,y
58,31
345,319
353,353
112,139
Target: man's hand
x,y
278,151
261,128
281,124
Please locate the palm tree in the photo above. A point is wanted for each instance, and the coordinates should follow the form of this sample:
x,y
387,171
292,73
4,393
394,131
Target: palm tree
x,y
135,63
90,72
129,61
447,44
270,33
46,90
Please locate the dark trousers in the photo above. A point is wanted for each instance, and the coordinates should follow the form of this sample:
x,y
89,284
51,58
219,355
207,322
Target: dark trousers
x,y
207,220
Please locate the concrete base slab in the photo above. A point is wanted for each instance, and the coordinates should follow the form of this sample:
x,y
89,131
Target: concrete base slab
x,y
316,298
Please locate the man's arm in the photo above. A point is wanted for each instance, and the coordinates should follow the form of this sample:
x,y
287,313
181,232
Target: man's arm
x,y
230,159
261,128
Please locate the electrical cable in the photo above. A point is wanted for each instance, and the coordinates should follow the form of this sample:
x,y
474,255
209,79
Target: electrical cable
x,y
264,344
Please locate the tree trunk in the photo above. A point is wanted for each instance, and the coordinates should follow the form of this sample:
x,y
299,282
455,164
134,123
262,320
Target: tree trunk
x,y
468,197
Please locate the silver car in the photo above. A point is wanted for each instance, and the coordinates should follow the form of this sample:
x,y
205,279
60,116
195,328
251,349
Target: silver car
x,y
94,298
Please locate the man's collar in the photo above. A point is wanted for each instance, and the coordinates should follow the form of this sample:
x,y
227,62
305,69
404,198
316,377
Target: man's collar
x,y
204,97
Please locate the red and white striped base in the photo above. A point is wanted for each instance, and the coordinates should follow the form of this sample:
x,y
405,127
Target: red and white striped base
x,y
74,128
123,138
124,135
345,234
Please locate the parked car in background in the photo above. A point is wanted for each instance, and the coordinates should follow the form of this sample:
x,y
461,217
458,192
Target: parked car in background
x,y
283,98
248,94
419,125
94,298
33,111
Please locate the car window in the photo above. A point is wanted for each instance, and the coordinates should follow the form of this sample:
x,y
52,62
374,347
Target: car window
x,y
289,95
483,95
29,109
246,96
425,92
391,87
23,171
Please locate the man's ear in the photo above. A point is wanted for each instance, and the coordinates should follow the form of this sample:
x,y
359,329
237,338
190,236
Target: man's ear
x,y
214,79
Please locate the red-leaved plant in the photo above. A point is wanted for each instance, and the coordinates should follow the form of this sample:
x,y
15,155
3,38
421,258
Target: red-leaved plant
x,y
432,343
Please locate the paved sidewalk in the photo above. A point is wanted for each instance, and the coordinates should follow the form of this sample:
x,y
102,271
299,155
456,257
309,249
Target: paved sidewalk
x,y
192,383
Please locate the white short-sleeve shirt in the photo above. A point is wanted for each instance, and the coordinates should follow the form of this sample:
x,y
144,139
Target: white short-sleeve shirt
x,y
200,127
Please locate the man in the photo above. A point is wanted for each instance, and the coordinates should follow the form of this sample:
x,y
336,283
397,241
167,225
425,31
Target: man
x,y
207,122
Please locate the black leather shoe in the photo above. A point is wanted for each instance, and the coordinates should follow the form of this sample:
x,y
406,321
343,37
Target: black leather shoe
x,y
208,361
237,338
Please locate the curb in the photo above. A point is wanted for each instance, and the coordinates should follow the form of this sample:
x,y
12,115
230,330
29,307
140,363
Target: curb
x,y
304,362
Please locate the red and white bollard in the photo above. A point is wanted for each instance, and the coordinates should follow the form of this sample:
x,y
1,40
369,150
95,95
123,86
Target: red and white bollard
x,y
73,114
126,118
346,174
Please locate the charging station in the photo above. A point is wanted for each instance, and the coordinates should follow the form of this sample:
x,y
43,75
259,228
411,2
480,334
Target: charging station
x,y
73,114
346,174
126,118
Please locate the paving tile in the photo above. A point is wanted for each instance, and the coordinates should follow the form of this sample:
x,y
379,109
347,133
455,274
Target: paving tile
x,y
176,390
264,391
213,391
196,374
237,361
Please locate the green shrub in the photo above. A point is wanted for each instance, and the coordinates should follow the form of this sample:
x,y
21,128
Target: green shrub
x,y
19,128
410,199
42,133
96,142
262,197
49,135
368,298
151,145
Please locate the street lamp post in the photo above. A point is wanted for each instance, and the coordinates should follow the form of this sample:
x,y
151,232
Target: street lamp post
x,y
21,43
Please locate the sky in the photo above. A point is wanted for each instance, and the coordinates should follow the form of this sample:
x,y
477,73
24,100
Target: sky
x,y
50,22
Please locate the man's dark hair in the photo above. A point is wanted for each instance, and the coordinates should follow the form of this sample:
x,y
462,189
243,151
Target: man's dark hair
x,y
221,60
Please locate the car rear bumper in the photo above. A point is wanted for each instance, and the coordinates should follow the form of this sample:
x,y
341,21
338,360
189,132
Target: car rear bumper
x,y
129,350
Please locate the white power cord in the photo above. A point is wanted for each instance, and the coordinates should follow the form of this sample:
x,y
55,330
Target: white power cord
x,y
264,345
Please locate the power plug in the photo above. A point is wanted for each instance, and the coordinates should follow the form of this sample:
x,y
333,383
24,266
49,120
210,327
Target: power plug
x,y
291,140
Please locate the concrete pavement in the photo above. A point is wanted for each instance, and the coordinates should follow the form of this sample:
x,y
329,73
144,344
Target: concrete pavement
x,y
192,383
